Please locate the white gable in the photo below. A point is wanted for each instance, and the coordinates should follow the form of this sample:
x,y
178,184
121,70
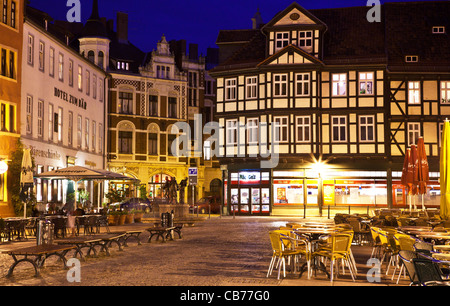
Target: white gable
x,y
294,17
287,58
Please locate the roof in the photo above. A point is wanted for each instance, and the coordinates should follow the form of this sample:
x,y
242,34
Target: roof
x,y
405,29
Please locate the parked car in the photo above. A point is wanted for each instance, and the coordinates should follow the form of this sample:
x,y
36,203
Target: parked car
x,y
134,203
204,203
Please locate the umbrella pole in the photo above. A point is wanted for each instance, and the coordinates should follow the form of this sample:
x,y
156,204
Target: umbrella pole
x,y
423,205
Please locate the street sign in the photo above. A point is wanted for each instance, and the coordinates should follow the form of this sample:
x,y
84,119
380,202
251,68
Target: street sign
x,y
192,180
192,171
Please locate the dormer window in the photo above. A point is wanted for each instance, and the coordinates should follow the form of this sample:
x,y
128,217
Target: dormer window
x,y
123,66
438,30
305,39
411,58
282,40
163,72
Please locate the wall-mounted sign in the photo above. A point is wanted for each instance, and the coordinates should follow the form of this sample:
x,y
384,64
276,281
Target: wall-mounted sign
x,y
71,99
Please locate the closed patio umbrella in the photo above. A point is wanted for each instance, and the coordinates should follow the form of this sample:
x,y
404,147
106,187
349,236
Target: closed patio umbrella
x,y
422,169
414,166
445,172
26,176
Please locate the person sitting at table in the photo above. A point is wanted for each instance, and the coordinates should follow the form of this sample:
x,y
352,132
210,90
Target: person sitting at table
x,y
79,211
68,209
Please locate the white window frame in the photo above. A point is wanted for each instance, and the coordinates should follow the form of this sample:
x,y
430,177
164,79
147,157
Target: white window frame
x,y
230,89
438,30
414,92
86,133
445,92
41,56
51,62
306,38
88,82
441,129
94,136
100,138
303,128
70,72
282,40
80,78
366,82
79,131
280,85
70,129
29,115
30,55
60,126
339,84
252,130
231,131
50,122
413,133
61,67
40,119
251,87
281,129
342,135
364,126
302,82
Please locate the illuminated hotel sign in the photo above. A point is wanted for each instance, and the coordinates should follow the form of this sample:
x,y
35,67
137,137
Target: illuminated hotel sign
x,y
69,98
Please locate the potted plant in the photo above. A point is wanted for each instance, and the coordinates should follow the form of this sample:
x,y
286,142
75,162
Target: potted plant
x,y
138,214
113,217
129,217
122,217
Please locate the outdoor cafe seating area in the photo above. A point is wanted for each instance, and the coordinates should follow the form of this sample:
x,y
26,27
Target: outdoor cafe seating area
x,y
412,246
19,229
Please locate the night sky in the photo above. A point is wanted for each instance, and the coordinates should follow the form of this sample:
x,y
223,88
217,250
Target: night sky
x,y
196,21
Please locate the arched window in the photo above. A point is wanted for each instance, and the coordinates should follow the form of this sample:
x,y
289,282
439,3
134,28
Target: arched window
x,y
101,57
153,132
125,137
91,56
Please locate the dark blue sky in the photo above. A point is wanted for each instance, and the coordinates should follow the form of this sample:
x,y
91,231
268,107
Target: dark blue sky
x,y
196,21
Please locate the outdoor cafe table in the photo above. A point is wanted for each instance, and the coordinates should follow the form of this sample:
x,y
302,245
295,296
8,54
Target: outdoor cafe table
x,y
312,235
442,248
16,227
436,237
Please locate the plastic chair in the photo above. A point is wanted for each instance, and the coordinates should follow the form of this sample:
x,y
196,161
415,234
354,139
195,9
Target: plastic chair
x,y
389,247
282,248
429,273
340,250
376,243
404,243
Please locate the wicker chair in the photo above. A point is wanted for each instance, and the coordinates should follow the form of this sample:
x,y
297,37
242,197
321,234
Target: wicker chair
x,y
428,273
406,258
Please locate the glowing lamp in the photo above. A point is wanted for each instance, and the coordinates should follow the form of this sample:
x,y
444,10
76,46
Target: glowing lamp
x,y
3,166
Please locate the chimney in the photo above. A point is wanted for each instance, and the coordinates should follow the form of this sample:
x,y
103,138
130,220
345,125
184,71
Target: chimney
x,y
257,21
193,51
122,27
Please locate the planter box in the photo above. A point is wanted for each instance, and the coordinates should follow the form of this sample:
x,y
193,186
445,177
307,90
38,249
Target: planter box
x,y
138,217
129,218
121,219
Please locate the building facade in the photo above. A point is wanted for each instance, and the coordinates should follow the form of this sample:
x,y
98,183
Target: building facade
x,y
333,101
63,107
11,31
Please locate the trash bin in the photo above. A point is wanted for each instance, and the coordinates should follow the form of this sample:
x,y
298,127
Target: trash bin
x,y
167,219
44,232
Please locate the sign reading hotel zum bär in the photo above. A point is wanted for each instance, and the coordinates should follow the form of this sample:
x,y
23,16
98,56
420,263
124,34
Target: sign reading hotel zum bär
x,y
69,98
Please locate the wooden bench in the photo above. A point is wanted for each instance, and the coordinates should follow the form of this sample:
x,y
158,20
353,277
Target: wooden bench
x,y
134,234
81,242
177,228
39,253
107,240
160,231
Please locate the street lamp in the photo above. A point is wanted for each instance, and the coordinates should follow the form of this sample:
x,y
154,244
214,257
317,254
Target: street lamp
x,y
3,167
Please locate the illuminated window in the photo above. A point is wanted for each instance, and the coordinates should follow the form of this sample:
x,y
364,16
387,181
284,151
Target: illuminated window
x,y
252,130
281,129
303,129
414,92
339,84
365,83
339,128
366,128
280,85
413,133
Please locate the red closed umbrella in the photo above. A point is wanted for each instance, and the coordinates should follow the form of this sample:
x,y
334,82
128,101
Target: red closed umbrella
x,y
422,169
408,173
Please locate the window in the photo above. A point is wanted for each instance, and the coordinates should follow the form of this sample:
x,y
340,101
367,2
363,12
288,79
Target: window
x,y
30,49
152,144
79,131
41,56
251,87
88,83
13,14
280,85
94,135
80,78
3,117
302,84
70,73
231,131
12,65
152,105
29,115
305,40
60,117
445,91
366,83
3,63
339,128
40,119
94,87
230,89
366,128
252,130
70,129
281,40
125,104
101,57
5,12
172,147
441,129
438,30
411,58
91,56
207,150
50,122
51,62
162,72
61,67
303,129
100,138
281,129
86,133
339,84
414,92
125,142
413,133
101,93
172,107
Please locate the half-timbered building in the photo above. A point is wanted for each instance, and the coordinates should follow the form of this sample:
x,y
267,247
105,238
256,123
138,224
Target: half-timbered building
x,y
333,101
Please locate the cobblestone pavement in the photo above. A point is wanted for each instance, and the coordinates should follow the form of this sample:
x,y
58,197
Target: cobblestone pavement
x,y
223,251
